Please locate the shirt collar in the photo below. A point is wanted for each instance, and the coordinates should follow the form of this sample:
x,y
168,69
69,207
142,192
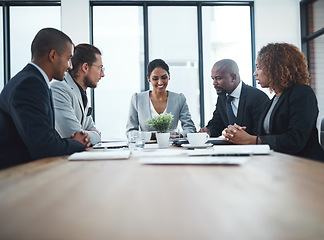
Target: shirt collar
x,y
80,88
42,72
237,91
68,75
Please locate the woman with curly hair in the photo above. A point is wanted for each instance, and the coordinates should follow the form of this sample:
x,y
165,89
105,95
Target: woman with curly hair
x,y
288,124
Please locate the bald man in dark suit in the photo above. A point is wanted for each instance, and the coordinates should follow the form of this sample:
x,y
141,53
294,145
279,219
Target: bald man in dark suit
x,y
237,102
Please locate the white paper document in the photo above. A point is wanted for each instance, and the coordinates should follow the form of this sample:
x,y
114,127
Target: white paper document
x,y
159,152
196,160
112,144
100,155
242,149
232,150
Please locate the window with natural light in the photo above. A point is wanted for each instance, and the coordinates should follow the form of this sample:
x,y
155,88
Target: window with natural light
x,y
25,22
226,34
175,40
118,33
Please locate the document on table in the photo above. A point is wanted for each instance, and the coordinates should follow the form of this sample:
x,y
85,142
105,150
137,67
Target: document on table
x,y
232,150
233,160
100,155
159,152
110,144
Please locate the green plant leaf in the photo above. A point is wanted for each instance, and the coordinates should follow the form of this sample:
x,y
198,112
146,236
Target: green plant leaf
x,y
161,123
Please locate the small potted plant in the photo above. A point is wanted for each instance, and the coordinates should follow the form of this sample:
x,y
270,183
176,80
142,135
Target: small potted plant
x,y
162,125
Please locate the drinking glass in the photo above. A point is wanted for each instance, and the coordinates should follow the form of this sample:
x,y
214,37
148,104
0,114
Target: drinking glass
x,y
136,140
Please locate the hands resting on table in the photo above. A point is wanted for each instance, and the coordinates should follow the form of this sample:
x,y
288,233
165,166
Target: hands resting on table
x,y
81,137
237,135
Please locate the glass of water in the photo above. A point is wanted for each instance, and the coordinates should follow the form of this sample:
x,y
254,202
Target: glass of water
x,y
136,140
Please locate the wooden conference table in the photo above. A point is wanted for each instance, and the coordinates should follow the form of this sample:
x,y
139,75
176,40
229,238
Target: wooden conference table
x,y
274,196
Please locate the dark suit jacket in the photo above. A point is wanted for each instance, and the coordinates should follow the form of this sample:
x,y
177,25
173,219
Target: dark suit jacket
x,y
249,110
27,121
293,124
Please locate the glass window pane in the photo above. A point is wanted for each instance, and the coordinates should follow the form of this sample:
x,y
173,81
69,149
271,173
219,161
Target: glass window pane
x,y
25,22
315,16
174,39
226,34
1,51
118,33
317,71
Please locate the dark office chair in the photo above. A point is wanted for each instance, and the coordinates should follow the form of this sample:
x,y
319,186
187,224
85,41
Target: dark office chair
x,y
322,133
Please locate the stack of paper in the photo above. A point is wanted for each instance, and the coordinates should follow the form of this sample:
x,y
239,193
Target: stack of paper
x,y
159,152
100,155
233,150
196,160
110,144
222,154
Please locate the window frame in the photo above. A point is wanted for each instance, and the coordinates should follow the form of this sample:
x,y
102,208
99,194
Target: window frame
x,y
199,5
306,38
6,4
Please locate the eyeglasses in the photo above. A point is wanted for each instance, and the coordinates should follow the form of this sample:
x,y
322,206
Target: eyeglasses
x,y
102,68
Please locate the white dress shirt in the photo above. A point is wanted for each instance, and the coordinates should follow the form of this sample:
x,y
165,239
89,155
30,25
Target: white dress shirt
x,y
236,100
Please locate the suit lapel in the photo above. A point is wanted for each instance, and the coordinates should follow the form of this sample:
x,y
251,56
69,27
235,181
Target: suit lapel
x,y
276,107
280,100
52,107
148,102
222,108
242,102
30,67
76,92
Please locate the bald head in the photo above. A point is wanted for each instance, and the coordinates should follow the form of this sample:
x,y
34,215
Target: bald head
x,y
225,75
228,66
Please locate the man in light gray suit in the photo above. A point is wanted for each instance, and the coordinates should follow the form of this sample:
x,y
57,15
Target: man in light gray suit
x,y
72,111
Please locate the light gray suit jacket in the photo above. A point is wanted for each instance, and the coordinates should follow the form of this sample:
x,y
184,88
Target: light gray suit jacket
x,y
70,115
140,112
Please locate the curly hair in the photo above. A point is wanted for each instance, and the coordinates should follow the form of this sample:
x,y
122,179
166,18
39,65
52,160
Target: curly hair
x,y
284,64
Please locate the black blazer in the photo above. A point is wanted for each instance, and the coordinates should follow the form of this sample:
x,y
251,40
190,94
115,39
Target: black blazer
x,y
27,121
293,124
249,110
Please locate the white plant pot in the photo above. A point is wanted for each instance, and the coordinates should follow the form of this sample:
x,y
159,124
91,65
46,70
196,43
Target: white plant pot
x,y
163,139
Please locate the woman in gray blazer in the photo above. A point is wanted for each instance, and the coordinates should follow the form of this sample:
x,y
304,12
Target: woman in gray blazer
x,y
148,104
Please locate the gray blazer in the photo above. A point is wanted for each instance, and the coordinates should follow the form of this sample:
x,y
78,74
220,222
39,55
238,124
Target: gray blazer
x,y
140,112
70,115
